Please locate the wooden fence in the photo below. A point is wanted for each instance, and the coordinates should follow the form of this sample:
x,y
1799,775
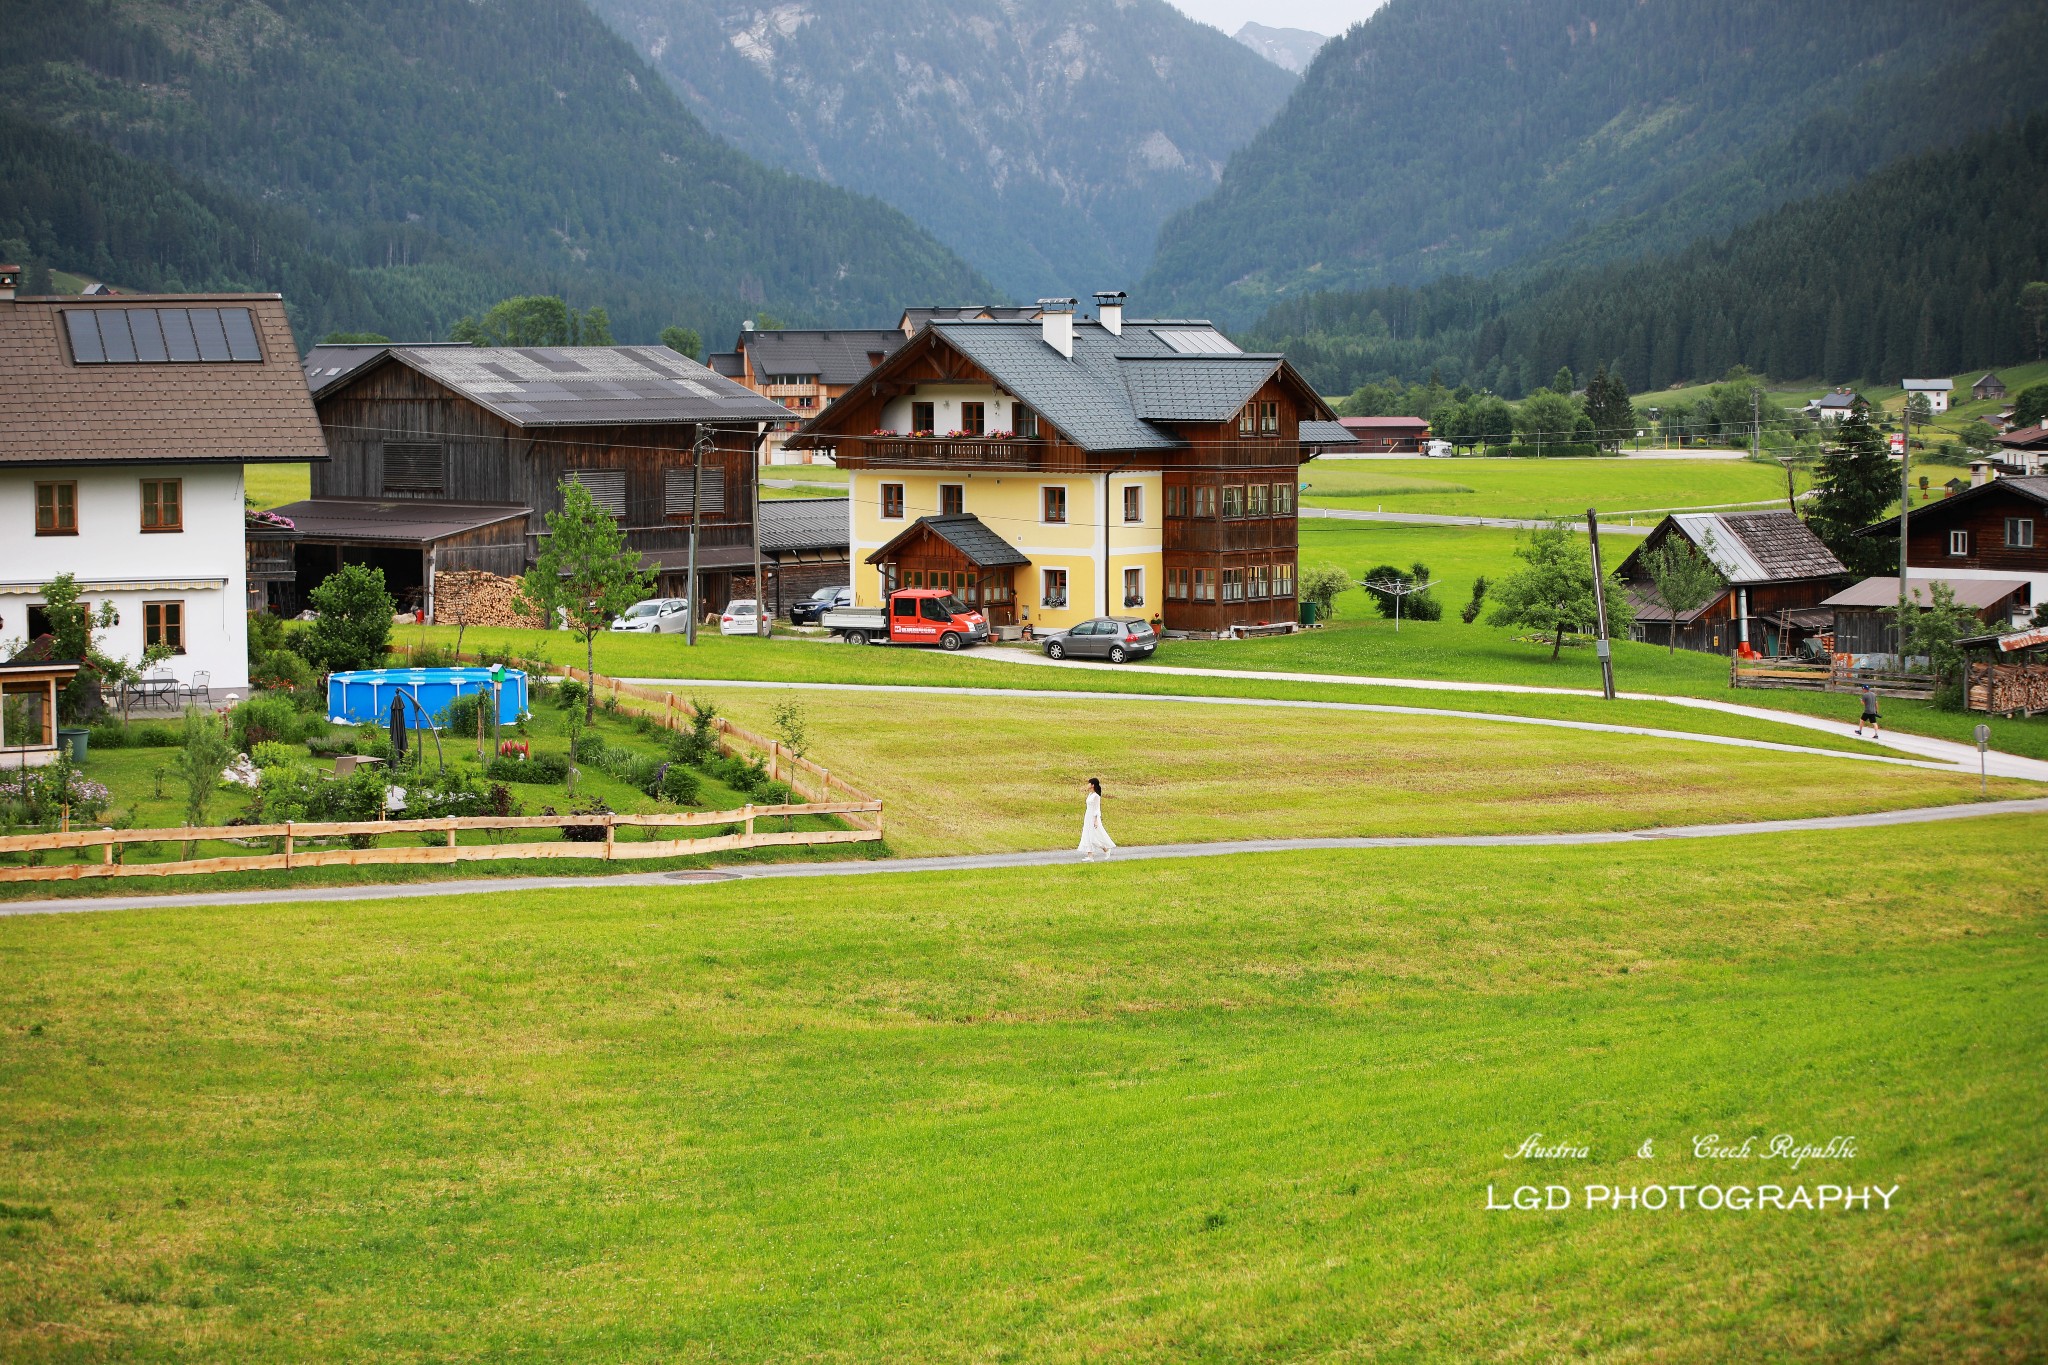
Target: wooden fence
x,y
1831,677
289,855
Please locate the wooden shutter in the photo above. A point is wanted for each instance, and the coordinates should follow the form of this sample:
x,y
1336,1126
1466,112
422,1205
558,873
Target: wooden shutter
x,y
678,490
415,468
607,488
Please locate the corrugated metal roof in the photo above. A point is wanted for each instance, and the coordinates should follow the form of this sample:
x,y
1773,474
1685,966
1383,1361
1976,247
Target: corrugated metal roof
x,y
554,386
789,524
1970,592
401,521
1328,433
1758,547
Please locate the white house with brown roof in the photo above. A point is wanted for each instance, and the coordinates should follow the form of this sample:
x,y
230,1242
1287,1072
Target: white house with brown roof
x,y
121,455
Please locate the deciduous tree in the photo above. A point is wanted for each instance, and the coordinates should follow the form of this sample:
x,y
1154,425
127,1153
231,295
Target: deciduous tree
x,y
1684,579
352,620
585,575
535,320
1553,589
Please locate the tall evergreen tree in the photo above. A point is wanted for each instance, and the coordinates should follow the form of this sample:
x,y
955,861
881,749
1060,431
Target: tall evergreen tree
x,y
1854,484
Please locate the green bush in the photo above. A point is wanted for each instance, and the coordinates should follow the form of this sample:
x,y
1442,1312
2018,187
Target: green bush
x,y
284,672
331,746
541,769
434,795
569,694
154,737
271,716
462,713
269,753
109,733
775,794
352,628
742,775
698,745
589,748
678,785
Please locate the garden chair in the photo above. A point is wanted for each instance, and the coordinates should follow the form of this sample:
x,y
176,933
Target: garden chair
x,y
201,688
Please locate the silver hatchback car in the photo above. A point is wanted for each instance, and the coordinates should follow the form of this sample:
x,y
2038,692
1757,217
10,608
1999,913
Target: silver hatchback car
x,y
1115,638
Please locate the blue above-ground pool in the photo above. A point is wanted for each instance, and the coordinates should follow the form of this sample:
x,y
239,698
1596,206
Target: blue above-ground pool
x,y
429,692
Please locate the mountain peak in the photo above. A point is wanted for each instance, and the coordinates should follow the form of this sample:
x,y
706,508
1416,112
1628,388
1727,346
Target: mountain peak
x,y
1290,49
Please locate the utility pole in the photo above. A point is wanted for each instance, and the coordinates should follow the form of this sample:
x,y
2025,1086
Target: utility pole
x,y
1601,645
1756,423
1905,510
697,445
754,515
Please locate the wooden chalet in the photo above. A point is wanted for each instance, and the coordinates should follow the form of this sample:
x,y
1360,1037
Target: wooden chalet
x,y
1864,612
1050,469
1995,530
450,458
1775,576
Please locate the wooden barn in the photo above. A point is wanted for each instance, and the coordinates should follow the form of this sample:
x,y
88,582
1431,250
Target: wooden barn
x,y
1775,574
449,458
1863,611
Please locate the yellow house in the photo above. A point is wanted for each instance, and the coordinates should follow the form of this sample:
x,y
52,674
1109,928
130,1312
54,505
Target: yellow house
x,y
1049,471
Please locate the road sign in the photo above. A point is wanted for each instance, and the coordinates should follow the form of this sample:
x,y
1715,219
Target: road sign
x,y
1983,743
1983,738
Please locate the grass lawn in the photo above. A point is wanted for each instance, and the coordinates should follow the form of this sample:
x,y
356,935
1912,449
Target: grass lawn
x,y
1246,1110
274,485
1540,488
960,776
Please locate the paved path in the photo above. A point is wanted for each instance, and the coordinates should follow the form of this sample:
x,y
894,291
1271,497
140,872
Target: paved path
x,y
1947,753
1036,858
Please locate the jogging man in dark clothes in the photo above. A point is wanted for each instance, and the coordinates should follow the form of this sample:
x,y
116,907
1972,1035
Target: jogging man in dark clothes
x,y
1869,711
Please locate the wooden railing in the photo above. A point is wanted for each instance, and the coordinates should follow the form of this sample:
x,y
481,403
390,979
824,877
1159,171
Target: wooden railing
x,y
1798,675
289,855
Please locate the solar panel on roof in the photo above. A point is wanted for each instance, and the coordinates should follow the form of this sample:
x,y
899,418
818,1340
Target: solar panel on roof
x,y
1192,341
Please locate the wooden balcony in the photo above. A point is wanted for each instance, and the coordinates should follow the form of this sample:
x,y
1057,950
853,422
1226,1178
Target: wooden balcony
x,y
1222,535
947,452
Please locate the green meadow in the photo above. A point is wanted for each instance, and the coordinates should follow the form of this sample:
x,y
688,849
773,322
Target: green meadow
x,y
1541,488
1239,1110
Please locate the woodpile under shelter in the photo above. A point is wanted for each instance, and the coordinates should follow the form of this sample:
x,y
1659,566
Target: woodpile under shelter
x,y
2006,674
1775,575
446,458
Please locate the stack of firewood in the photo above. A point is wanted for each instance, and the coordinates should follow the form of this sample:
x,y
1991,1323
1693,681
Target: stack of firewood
x,y
2014,687
473,597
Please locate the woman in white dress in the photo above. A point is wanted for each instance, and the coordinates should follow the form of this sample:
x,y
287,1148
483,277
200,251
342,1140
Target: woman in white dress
x,y
1095,840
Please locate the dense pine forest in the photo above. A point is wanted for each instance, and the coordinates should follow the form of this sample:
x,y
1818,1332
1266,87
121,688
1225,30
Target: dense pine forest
x,y
1468,136
1915,271
458,145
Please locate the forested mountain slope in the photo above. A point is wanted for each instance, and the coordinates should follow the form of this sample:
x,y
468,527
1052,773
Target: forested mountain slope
x,y
521,134
1461,136
1044,140
1915,271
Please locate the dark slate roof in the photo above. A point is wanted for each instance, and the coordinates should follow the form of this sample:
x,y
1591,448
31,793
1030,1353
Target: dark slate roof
x,y
835,357
329,365
790,524
399,521
727,363
1839,398
1328,433
558,386
1749,547
2033,487
916,318
966,533
1194,388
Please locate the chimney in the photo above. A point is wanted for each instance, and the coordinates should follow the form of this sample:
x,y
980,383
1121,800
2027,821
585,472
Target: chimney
x,y
10,276
747,326
1980,473
1109,311
1056,324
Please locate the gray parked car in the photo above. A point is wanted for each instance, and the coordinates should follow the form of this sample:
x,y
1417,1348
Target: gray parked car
x,y
1115,638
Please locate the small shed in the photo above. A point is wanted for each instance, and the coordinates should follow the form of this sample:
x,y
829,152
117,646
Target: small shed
x,y
1775,572
1860,611
1987,387
28,711
2006,674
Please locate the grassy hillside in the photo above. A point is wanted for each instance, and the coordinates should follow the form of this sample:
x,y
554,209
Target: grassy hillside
x,y
1228,1111
525,134
1461,136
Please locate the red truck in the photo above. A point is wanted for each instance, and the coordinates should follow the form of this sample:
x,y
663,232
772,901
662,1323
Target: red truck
x,y
913,616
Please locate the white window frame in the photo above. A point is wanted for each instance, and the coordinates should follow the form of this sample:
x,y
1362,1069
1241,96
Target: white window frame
x,y
1046,579
2019,533
1958,543
1134,493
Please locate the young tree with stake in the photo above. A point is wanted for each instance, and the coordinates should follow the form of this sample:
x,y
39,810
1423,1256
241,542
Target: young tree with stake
x,y
1683,578
1554,587
584,574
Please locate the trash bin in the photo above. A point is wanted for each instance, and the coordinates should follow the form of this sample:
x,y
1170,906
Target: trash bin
x,y
1308,613
75,741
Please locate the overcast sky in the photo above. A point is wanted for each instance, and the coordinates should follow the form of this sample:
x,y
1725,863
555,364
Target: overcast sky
x,y
1327,17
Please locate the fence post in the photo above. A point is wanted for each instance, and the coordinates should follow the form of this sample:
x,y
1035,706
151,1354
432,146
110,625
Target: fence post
x,y
608,838
288,845
878,821
107,850
451,831
750,825
774,755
